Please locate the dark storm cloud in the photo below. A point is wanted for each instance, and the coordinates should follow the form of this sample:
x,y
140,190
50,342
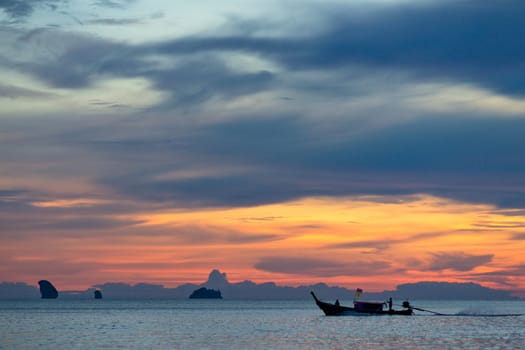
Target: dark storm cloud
x,y
286,159
448,40
195,80
465,157
270,146
232,190
461,41
455,40
78,60
22,8
17,8
458,144
319,267
457,261
8,195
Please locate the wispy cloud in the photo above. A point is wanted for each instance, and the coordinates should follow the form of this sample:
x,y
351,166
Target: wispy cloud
x,y
118,4
319,267
519,236
457,261
18,9
114,21
13,92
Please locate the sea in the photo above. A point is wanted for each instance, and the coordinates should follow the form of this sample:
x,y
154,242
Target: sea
x,y
234,324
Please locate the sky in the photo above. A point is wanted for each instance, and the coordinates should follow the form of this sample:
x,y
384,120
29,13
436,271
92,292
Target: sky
x,y
357,143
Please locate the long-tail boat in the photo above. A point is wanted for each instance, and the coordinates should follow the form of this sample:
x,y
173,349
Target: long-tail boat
x,y
361,308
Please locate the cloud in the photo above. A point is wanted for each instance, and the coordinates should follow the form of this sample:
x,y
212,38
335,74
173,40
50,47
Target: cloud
x,y
195,80
426,42
382,244
508,277
13,290
506,225
294,148
77,60
256,159
518,236
23,218
457,261
435,41
376,245
194,234
115,21
319,267
47,267
10,195
107,104
445,157
116,4
18,9
13,92
57,225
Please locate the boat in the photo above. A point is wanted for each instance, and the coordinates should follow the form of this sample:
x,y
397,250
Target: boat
x,y
362,308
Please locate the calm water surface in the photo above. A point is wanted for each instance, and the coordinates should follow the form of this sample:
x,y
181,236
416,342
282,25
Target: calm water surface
x,y
226,324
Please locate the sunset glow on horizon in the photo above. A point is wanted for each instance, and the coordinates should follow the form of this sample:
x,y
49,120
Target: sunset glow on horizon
x,y
373,241
356,143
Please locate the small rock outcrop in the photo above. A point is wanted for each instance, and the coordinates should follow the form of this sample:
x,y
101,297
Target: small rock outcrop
x,y
98,294
205,293
47,290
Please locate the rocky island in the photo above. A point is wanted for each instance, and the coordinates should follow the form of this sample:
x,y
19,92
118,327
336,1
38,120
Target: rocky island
x,y
47,290
205,293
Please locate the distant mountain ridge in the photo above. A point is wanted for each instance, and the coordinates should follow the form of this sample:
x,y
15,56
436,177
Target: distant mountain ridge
x,y
446,291
264,291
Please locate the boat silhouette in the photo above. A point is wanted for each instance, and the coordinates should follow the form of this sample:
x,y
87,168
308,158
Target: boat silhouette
x,y
361,308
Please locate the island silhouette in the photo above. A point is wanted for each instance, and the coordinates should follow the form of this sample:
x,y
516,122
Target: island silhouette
x,y
249,290
205,293
47,290
98,294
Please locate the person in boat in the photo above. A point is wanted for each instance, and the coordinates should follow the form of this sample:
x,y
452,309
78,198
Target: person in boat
x,y
337,302
390,304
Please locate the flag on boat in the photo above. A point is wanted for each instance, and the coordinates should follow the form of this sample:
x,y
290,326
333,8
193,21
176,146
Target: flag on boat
x,y
358,292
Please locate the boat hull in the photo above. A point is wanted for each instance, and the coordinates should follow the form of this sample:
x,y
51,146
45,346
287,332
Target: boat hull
x,y
339,310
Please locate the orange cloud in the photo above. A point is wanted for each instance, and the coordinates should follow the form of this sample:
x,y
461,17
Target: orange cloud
x,y
376,242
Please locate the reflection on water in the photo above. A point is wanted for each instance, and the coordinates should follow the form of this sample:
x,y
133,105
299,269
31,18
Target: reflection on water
x,y
226,324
